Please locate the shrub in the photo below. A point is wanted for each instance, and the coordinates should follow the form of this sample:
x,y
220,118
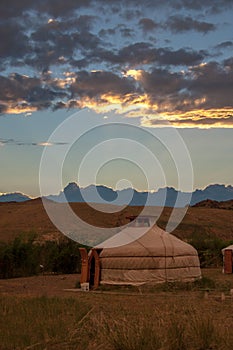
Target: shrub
x,y
24,255
19,258
209,248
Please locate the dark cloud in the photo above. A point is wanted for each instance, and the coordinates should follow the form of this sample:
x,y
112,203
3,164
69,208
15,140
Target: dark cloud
x,y
15,9
67,38
130,14
20,92
3,108
147,24
14,43
52,29
55,8
144,53
228,64
53,44
184,57
76,51
121,29
215,83
161,82
224,45
137,53
107,32
201,88
204,87
95,84
179,24
127,32
214,6
61,8
59,105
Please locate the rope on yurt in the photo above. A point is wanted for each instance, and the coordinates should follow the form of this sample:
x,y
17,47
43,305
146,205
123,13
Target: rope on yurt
x,y
162,233
149,251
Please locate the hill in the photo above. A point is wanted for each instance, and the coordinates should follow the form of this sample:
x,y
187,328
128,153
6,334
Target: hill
x,y
14,197
208,203
30,216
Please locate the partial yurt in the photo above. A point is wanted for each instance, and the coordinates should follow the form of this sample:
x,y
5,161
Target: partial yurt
x,y
228,259
142,253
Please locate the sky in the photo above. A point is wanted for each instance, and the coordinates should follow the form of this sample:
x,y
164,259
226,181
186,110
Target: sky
x,y
112,83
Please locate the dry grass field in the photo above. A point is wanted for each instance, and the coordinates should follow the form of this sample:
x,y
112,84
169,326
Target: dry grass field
x,y
37,313
17,218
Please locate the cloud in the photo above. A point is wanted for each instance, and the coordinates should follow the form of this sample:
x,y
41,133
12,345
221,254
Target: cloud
x,y
14,42
96,84
43,34
56,9
22,94
179,24
59,8
147,24
102,55
205,86
194,96
224,44
228,64
4,142
126,32
214,82
61,42
201,119
143,53
214,6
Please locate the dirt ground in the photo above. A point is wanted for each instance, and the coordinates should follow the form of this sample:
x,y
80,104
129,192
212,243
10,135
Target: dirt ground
x,y
57,285
43,285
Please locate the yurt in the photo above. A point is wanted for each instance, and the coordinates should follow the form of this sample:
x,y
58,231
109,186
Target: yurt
x,y
141,253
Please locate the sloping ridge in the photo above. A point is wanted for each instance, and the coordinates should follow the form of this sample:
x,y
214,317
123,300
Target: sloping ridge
x,y
208,203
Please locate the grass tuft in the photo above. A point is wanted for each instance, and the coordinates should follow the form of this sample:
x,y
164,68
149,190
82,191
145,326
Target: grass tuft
x,y
136,333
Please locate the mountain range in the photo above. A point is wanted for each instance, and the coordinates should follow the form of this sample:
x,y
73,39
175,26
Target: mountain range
x,y
14,197
167,196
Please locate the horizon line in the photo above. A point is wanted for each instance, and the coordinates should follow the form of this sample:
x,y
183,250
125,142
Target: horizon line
x,y
116,190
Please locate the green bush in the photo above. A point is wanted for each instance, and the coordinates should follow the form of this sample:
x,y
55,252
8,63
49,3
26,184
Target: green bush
x,y
67,259
24,256
19,258
209,248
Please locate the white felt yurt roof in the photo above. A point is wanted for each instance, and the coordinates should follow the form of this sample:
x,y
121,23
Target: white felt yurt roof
x,y
134,241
